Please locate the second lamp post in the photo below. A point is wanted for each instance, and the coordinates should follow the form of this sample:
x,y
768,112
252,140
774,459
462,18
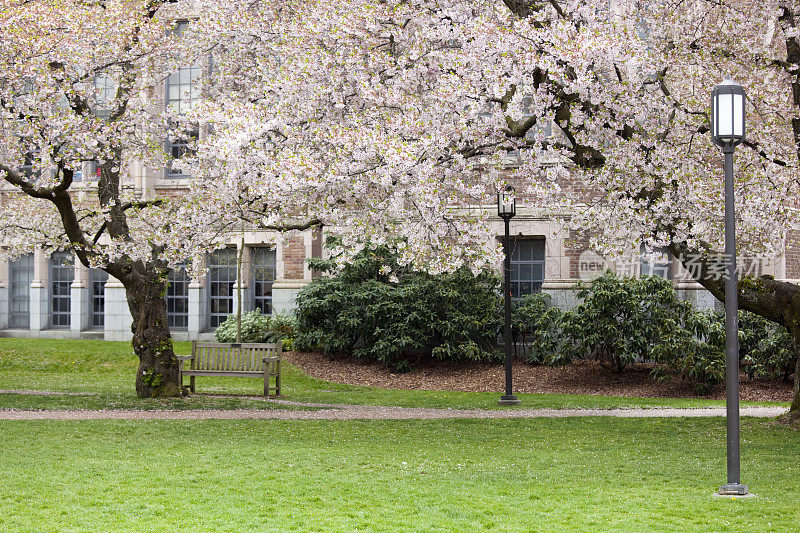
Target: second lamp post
x,y
728,131
506,209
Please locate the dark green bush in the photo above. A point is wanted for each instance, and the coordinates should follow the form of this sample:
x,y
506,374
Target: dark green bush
x,y
765,348
622,319
283,328
379,311
538,327
695,348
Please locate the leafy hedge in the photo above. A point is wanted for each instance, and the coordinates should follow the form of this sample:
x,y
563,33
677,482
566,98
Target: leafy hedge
x,y
621,320
539,328
765,348
379,311
259,328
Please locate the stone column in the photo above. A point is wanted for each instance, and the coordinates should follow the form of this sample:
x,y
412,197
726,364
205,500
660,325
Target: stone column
x,y
5,287
198,307
243,282
40,291
80,300
118,318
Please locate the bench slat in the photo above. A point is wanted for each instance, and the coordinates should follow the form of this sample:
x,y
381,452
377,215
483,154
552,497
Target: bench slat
x,y
233,373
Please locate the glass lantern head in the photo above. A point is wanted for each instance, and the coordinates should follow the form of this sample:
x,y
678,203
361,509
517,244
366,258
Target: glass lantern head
x,y
727,114
507,202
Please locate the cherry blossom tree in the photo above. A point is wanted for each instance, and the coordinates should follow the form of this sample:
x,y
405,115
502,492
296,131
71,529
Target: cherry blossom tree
x,y
400,118
77,82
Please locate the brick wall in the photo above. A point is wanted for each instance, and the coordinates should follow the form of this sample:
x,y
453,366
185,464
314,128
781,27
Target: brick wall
x,y
294,254
793,254
575,244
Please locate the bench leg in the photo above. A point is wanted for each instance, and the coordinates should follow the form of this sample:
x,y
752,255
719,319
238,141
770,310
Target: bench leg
x,y
191,383
266,380
278,379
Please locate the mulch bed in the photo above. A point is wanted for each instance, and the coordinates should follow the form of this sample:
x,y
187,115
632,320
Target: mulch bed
x,y
581,377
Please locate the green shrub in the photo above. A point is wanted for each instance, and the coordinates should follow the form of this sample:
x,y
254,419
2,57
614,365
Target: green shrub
x,y
260,328
380,311
255,328
621,319
765,348
283,328
538,326
695,348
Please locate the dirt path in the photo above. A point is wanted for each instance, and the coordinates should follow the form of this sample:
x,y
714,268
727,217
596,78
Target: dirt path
x,y
370,412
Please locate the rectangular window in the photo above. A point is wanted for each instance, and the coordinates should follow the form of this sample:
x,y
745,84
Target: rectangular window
x,y
94,171
77,172
27,167
527,266
62,273
656,263
179,144
181,92
221,279
178,298
21,274
263,260
98,279
183,89
105,92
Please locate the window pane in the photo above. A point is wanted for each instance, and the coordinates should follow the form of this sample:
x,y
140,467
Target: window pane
x,y
222,276
178,298
537,250
657,263
527,267
61,275
98,280
525,251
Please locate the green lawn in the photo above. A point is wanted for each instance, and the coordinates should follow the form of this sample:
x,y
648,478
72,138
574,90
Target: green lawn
x,y
105,371
577,474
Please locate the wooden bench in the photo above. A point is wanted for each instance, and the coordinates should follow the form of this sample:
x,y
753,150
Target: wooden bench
x,y
245,359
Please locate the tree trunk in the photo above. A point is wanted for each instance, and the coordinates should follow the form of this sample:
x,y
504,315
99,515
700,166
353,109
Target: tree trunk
x,y
794,411
157,375
778,301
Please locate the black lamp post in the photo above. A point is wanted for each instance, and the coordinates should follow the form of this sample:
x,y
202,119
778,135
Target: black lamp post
x,y
506,209
728,131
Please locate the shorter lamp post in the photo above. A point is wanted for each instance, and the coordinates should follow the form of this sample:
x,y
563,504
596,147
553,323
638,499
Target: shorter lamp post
x,y
506,209
727,131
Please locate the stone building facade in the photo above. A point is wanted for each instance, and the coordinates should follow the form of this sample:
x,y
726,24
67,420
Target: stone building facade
x,y
53,295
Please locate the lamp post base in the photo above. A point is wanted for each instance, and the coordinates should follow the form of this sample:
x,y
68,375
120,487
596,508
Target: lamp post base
x,y
734,489
509,400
